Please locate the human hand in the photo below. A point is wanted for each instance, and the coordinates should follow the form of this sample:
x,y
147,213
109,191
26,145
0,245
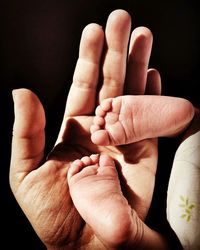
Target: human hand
x,y
39,185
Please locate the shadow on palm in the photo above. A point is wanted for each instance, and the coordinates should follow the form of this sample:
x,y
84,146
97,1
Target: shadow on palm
x,y
136,162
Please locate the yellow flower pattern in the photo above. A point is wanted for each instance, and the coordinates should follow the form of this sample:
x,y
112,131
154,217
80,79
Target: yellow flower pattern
x,y
187,208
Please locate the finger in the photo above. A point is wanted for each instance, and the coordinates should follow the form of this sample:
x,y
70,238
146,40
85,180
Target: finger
x,y
28,135
153,85
114,64
139,54
82,95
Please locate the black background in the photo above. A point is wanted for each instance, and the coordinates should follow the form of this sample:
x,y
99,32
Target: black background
x,y
38,50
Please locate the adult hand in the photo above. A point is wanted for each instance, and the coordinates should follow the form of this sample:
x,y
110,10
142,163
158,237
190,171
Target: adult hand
x,y
40,185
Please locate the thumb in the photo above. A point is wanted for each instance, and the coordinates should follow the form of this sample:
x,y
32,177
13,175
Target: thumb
x,y
28,135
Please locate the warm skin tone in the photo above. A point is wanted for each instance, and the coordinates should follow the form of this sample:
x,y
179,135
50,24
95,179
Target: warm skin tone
x,y
96,192
40,185
129,119
94,182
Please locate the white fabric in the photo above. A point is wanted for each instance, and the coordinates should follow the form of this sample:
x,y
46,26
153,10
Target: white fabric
x,y
183,198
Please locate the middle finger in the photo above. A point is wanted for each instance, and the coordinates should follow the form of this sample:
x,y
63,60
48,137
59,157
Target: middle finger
x,y
114,64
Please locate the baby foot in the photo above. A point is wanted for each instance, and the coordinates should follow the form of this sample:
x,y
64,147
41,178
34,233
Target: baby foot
x,y
107,128
96,193
127,119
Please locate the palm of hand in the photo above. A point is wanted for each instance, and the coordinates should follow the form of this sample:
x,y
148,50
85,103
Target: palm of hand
x,y
45,193
42,191
136,162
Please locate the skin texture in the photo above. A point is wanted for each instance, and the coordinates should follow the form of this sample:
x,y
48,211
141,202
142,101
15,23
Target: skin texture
x,y
96,192
94,182
128,119
40,183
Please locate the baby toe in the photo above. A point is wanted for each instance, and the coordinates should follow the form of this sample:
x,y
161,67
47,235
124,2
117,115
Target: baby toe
x,y
86,160
74,168
100,137
94,128
100,112
98,121
106,104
